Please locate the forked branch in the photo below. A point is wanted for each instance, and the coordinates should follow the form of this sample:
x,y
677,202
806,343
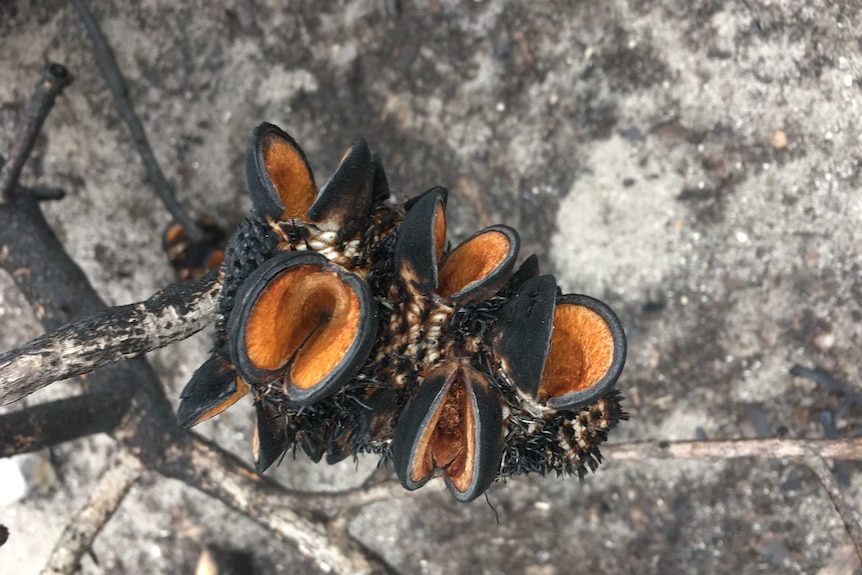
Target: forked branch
x,y
55,78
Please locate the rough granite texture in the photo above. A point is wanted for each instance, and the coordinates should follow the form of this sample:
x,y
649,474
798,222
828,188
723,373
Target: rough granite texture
x,y
696,164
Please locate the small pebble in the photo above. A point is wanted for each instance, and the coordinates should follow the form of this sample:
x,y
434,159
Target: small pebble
x,y
778,140
824,341
12,484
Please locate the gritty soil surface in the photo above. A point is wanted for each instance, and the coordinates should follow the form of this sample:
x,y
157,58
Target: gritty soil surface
x,y
696,164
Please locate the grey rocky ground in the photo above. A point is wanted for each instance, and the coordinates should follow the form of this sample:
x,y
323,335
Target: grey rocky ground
x,y
695,164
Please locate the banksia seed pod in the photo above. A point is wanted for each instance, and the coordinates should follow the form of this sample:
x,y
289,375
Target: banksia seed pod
x,y
357,330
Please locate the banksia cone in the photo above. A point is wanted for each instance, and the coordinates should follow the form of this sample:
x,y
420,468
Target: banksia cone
x,y
358,329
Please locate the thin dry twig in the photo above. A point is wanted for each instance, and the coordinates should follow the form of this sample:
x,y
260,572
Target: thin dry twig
x,y
222,476
815,462
55,78
342,501
120,93
809,452
123,471
772,448
114,334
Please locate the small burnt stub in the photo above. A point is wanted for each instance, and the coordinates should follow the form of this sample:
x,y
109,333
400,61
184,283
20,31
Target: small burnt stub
x,y
192,259
357,329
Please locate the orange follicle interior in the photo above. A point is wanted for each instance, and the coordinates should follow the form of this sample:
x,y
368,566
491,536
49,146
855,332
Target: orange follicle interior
x,y
449,441
439,232
308,315
582,350
290,176
472,261
175,233
215,260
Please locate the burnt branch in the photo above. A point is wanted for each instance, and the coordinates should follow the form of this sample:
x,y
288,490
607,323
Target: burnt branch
x,y
120,93
28,252
55,78
123,471
100,410
112,335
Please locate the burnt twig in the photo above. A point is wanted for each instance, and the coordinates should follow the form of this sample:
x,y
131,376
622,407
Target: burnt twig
x,y
217,561
822,378
28,252
114,334
120,93
55,78
100,410
123,471
47,194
